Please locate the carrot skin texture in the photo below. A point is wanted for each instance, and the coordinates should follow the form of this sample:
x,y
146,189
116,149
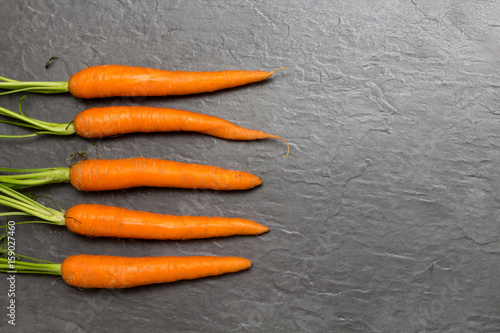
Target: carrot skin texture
x,y
107,221
107,121
103,175
110,272
116,80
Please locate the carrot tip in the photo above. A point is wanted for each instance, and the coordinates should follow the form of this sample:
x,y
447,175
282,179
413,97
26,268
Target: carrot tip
x,y
256,182
271,73
285,141
262,229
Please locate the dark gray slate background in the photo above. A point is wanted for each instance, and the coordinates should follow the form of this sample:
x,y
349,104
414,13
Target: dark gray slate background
x,y
384,218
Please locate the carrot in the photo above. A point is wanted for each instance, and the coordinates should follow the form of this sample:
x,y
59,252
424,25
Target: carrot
x,y
107,221
107,121
102,175
112,272
116,80
90,271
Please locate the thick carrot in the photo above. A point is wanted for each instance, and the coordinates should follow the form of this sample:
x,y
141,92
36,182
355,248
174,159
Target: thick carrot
x,y
107,221
111,272
116,80
102,175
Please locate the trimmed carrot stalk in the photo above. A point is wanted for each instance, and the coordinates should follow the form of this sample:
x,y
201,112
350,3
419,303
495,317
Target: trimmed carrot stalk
x,y
116,80
108,221
102,175
111,272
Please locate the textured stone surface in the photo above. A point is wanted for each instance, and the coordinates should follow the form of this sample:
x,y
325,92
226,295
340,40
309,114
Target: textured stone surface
x,y
384,218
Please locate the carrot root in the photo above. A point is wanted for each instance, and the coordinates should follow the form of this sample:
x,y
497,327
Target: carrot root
x,y
115,80
108,221
285,141
110,272
282,68
102,175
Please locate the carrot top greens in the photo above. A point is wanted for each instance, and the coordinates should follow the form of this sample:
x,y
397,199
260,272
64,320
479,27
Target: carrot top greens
x,y
14,263
13,86
34,177
42,127
28,207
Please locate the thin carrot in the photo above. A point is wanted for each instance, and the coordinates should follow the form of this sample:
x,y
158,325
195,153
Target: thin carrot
x,y
102,175
112,272
107,221
116,80
107,121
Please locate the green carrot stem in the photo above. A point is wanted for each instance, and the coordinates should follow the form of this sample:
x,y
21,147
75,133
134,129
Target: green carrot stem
x,y
16,200
34,259
34,177
28,222
15,214
43,127
24,267
13,86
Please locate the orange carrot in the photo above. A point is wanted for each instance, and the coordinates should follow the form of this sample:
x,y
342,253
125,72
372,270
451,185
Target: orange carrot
x,y
114,120
102,175
106,121
108,221
116,80
111,272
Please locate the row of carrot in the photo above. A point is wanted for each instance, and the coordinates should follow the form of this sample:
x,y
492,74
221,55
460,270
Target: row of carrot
x,y
86,271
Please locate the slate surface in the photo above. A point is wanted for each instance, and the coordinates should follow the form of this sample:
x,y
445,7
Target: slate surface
x,y
384,218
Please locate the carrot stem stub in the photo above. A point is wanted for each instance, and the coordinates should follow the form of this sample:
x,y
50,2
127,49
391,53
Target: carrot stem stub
x,y
110,272
102,175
